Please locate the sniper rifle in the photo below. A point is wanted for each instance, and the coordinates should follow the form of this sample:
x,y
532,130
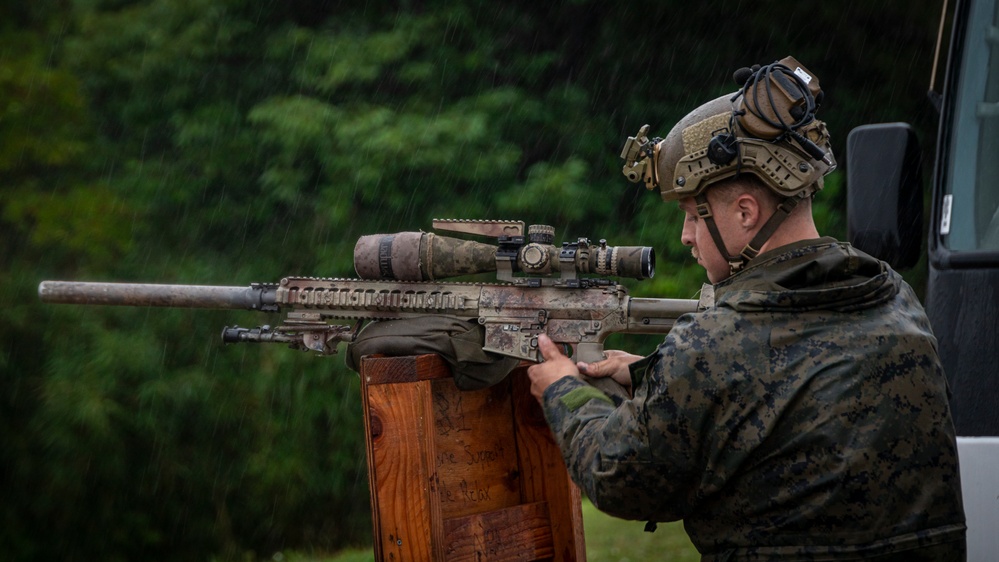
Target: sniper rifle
x,y
541,288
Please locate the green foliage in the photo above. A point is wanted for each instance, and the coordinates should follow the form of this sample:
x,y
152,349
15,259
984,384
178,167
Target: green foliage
x,y
228,142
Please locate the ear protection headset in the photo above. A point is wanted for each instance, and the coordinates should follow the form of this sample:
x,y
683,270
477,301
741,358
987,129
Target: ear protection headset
x,y
774,102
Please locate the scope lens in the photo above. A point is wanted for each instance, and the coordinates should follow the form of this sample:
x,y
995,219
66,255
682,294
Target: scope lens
x,y
636,262
649,267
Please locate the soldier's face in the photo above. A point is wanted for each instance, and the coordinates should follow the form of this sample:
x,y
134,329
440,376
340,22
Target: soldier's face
x,y
696,235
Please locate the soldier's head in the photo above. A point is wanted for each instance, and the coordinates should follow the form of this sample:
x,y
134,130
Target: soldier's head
x,y
762,142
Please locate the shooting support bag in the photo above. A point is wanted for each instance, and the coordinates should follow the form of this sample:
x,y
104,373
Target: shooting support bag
x,y
459,342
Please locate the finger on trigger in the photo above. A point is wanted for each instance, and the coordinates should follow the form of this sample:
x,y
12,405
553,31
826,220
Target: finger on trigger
x,y
546,346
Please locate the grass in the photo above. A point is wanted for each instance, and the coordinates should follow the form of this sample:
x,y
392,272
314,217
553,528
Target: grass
x,y
616,540
607,540
351,555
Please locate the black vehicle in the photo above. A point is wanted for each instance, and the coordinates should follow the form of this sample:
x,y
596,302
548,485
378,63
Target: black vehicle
x,y
962,295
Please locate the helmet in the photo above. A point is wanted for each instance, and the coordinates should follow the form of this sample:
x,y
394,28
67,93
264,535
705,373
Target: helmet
x,y
766,129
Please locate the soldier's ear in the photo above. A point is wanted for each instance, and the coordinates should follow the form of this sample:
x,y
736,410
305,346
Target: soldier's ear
x,y
748,209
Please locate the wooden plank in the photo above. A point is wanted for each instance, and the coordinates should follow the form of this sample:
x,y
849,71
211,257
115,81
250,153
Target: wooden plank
x,y
463,475
404,505
476,453
522,532
411,368
372,433
548,479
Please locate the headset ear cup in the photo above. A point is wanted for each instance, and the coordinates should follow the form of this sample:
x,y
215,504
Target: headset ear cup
x,y
722,149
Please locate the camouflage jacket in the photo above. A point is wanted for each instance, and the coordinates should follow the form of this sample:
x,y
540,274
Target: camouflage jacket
x,y
803,416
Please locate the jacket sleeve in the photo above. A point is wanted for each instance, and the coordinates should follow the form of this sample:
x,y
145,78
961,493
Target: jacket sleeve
x,y
607,451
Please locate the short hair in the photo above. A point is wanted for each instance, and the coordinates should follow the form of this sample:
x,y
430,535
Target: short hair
x,y
735,186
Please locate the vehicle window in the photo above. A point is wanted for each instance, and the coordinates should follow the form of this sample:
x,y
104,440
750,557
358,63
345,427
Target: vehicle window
x,y
970,219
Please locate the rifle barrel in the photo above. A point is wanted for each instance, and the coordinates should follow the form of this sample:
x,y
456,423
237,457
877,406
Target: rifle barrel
x,y
254,297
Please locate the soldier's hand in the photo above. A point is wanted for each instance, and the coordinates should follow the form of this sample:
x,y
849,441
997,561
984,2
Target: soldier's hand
x,y
616,366
555,366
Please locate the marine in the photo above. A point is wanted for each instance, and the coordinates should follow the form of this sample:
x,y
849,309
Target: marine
x,y
802,413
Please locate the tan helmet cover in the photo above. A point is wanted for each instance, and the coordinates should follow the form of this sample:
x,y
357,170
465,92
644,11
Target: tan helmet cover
x,y
684,169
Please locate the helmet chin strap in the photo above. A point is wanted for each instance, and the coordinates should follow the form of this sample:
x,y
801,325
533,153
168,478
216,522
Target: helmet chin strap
x,y
751,250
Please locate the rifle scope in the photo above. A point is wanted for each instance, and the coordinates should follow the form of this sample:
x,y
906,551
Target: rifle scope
x,y
423,256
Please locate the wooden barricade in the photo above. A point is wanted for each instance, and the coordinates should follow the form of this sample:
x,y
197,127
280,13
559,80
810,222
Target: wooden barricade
x,y
472,475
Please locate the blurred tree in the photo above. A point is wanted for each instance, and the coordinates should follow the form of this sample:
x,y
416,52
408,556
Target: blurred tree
x,y
49,205
231,141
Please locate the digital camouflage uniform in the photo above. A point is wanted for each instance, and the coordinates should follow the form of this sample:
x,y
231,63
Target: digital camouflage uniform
x,y
803,416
